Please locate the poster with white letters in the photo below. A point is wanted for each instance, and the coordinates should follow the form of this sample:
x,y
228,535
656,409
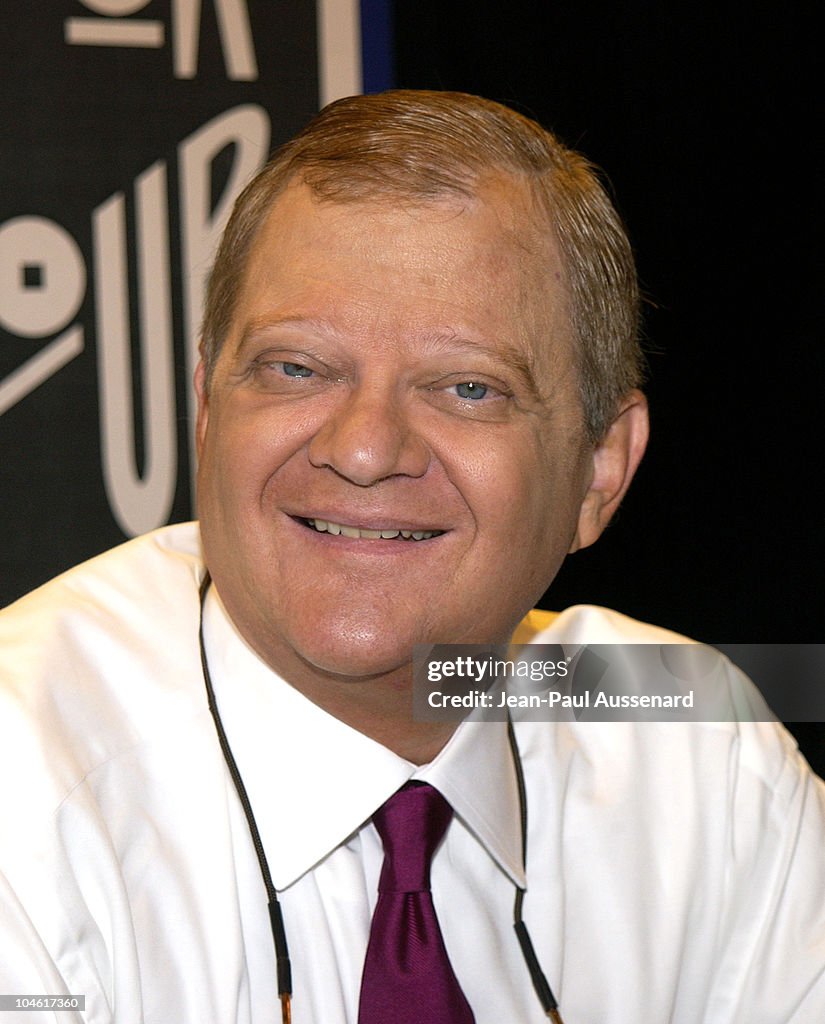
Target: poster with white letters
x,y
128,128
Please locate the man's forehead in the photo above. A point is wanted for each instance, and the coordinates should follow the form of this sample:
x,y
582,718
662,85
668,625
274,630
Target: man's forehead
x,y
512,224
521,243
509,196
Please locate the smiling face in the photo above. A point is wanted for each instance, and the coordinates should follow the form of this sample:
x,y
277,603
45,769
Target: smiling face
x,y
391,446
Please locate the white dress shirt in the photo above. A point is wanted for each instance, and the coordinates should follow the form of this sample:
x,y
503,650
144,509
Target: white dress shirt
x,y
675,871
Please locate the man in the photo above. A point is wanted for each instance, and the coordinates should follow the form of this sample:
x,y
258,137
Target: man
x,y
418,393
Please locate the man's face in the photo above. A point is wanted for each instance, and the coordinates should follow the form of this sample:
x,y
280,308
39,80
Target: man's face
x,y
391,449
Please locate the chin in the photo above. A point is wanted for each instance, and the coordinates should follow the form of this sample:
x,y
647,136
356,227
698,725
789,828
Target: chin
x,y
358,661
356,651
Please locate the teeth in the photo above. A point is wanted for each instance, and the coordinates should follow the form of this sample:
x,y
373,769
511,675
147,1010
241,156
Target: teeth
x,y
336,529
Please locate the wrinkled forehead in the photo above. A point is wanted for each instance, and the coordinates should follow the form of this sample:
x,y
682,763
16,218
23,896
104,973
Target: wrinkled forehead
x,y
500,228
516,216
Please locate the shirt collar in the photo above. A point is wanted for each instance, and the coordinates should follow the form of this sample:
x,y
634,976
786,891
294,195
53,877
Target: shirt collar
x,y
313,781
475,772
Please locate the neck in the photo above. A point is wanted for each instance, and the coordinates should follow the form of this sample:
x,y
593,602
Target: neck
x,y
379,706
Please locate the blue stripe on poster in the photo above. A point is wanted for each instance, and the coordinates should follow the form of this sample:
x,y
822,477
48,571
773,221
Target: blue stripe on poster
x,y
377,45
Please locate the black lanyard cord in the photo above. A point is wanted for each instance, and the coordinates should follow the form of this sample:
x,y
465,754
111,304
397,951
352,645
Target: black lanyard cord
x,y
276,917
543,990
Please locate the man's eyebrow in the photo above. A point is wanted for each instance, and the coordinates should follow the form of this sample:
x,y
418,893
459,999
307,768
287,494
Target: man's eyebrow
x,y
512,356
261,324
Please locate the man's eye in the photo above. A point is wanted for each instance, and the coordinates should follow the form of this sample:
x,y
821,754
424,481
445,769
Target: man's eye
x,y
471,389
295,370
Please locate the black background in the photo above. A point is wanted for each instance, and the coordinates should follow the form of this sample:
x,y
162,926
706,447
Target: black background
x,y
706,120
80,123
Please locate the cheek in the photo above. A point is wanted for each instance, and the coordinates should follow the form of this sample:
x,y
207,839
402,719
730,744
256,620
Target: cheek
x,y
245,445
528,497
500,477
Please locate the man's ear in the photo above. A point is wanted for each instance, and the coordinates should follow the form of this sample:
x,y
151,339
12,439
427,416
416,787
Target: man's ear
x,y
203,406
615,460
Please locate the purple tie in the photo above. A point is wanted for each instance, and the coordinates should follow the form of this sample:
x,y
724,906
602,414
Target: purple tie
x,y
407,974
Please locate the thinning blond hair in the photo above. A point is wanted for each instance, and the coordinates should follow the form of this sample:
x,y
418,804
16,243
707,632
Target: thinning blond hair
x,y
426,146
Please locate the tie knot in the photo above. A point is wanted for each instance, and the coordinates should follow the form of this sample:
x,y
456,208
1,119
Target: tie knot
x,y
411,824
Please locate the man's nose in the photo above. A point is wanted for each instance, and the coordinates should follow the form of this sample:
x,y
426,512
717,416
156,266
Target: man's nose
x,y
368,437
